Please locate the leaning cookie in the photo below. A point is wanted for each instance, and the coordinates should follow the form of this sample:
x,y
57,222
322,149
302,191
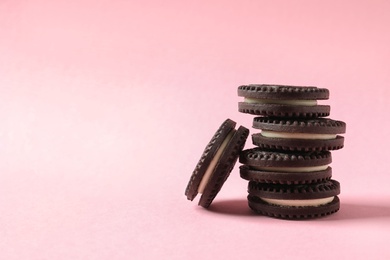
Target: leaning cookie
x,y
285,168
303,135
216,162
294,201
283,101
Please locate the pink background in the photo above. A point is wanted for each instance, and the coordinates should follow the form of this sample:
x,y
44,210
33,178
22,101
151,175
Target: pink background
x,y
106,107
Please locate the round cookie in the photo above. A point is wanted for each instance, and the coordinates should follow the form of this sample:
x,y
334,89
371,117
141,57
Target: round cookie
x,y
268,160
285,92
285,168
303,135
293,213
283,100
294,201
284,177
216,162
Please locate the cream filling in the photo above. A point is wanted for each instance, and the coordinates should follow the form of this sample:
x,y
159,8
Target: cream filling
x,y
300,203
292,169
213,163
273,134
281,101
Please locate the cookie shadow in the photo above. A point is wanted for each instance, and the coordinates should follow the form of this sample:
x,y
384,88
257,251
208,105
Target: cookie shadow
x,y
348,211
351,211
234,207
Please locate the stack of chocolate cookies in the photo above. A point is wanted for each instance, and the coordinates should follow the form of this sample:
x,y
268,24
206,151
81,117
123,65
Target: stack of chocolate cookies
x,y
288,170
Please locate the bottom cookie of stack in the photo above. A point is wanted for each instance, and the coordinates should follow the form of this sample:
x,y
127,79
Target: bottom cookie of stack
x,y
294,201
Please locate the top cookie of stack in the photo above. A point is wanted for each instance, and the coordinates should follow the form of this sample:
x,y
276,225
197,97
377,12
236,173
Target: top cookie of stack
x,y
283,101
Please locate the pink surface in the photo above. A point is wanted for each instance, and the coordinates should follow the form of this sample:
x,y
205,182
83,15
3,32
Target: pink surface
x,y
106,107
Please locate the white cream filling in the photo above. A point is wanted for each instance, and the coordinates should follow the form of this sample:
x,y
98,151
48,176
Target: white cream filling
x,y
213,163
299,203
273,134
281,101
292,169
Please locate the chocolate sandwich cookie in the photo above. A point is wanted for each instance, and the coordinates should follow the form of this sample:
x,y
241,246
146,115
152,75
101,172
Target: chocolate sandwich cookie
x,y
303,135
294,201
216,162
285,168
283,101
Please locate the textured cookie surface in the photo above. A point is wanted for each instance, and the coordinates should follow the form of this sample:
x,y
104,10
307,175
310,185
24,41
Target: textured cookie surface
x,y
284,177
279,110
298,134
260,158
217,161
293,213
299,145
294,192
311,126
283,101
224,166
208,154
328,190
269,91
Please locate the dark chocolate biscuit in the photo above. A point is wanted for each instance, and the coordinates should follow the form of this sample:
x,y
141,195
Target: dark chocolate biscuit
x,y
216,162
294,192
294,201
250,174
304,135
288,92
293,213
283,101
256,157
285,168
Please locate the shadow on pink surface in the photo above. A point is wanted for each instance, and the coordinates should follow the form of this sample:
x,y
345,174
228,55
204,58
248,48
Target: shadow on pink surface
x,y
348,211
235,207
356,211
